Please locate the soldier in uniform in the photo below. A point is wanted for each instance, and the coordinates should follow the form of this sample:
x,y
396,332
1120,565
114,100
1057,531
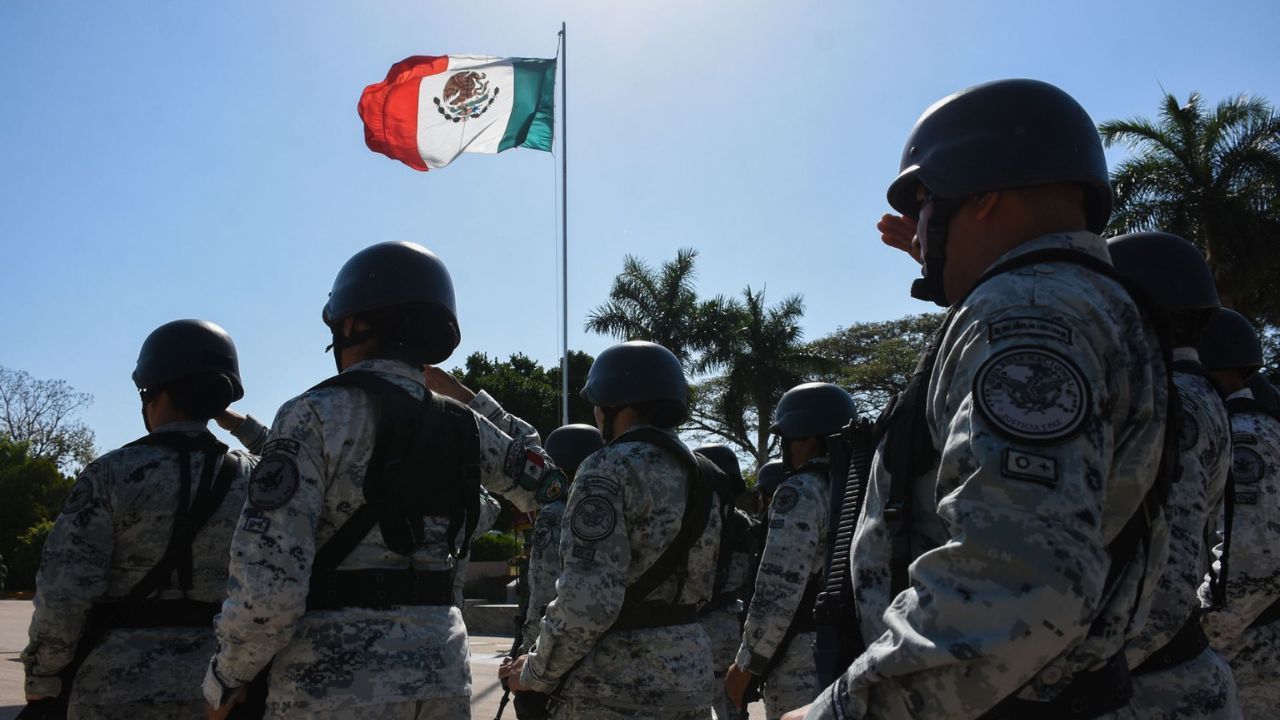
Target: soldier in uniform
x,y
342,565
1176,674
1012,510
1243,592
136,564
641,534
768,478
721,617
777,638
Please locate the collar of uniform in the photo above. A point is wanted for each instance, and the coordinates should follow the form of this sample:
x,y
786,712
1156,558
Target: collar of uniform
x,y
1186,354
390,367
1083,242
183,426
1245,393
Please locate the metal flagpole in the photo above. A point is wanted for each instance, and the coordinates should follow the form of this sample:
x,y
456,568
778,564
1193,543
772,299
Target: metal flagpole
x,y
564,230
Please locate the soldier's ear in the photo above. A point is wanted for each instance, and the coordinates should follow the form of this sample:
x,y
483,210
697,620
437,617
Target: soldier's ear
x,y
984,204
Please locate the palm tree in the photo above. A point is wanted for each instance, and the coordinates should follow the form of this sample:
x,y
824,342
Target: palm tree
x,y
760,354
656,305
1213,177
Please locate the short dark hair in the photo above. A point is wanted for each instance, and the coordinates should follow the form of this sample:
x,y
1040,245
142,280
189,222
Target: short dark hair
x,y
405,332
201,397
661,413
1189,325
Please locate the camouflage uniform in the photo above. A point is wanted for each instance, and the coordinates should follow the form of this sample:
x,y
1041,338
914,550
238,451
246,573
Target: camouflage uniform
x,y
724,625
349,662
1201,687
624,508
489,510
794,555
1253,581
113,530
544,569
1047,405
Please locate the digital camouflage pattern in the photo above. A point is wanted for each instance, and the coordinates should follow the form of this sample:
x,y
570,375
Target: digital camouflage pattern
x,y
1253,580
350,658
794,553
1201,687
724,626
1047,405
544,569
114,529
624,508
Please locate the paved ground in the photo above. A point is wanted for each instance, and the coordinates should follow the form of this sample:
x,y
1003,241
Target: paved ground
x,y
486,653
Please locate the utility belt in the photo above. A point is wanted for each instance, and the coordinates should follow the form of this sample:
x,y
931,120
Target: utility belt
x,y
1091,694
645,615
1268,616
125,614
719,602
379,589
1189,642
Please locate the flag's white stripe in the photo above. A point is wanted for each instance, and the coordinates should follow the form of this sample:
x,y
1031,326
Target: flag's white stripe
x,y
440,139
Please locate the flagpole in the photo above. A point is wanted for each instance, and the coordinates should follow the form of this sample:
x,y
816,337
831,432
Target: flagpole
x,y
564,229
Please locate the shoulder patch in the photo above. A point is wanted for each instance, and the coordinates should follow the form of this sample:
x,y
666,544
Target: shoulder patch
x,y
283,446
785,499
541,535
1247,467
1029,327
593,519
1244,438
273,483
1032,394
80,497
254,522
1189,434
1022,465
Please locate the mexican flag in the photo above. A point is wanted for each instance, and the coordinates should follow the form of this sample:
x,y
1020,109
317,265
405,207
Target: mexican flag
x,y
430,110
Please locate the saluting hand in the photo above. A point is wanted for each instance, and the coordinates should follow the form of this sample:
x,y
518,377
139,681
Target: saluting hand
x,y
899,231
513,674
229,420
797,714
444,383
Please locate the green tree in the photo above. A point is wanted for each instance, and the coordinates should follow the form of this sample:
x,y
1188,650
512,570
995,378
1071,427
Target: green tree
x,y
874,360
42,414
659,305
1211,175
759,354
528,390
34,492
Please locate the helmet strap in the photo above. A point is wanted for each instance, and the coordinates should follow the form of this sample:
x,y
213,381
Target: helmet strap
x,y
341,342
610,413
930,286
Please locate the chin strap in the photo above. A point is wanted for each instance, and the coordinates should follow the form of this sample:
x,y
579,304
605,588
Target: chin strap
x,y
340,343
609,414
929,287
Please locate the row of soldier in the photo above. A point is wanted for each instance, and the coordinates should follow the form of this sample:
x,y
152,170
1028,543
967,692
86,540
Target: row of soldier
x,y
1044,529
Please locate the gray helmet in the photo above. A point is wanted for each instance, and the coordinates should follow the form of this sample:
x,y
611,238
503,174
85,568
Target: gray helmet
x,y
1001,135
1264,392
770,476
812,410
1230,342
187,348
1169,268
636,372
569,445
398,273
727,460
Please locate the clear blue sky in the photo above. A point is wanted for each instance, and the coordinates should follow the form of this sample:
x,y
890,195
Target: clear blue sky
x,y
165,160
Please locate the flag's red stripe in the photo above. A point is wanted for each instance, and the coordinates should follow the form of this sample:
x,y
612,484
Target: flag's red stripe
x,y
390,109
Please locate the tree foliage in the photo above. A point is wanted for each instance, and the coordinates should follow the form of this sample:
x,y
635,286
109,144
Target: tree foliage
x,y
528,390
874,360
42,414
33,492
1211,175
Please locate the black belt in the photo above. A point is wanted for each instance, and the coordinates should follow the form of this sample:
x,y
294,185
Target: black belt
x,y
1268,616
654,615
718,602
154,614
380,589
1185,645
1090,695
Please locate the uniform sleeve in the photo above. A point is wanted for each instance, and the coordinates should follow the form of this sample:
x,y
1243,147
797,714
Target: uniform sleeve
x,y
251,434
271,551
1023,409
72,575
517,468
595,556
796,518
1253,579
484,404
544,569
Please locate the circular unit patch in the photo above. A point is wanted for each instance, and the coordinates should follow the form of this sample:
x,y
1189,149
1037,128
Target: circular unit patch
x,y
1190,433
1032,394
1247,466
541,536
593,519
786,498
273,483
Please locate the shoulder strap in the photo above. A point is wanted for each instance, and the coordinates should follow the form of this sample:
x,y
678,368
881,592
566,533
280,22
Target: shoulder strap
x,y
1240,405
697,510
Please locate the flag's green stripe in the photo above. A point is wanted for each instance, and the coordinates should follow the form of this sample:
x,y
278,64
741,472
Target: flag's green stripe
x,y
531,121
